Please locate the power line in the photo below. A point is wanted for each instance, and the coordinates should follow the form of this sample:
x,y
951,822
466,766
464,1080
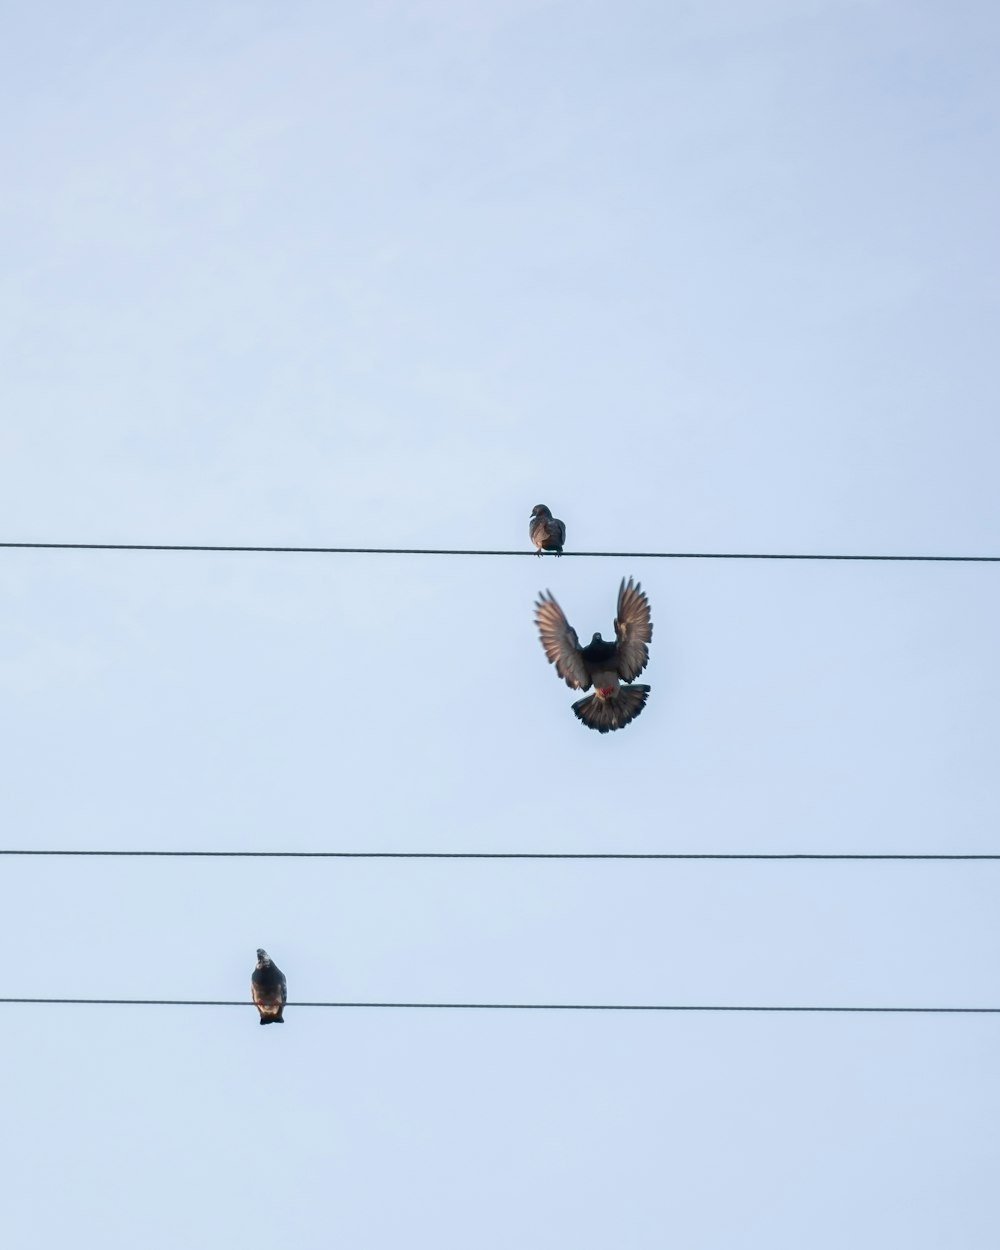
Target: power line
x,y
665,1007
518,855
452,551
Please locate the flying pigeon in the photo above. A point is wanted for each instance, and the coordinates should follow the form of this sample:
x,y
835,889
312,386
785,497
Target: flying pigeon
x,y
270,993
603,665
546,531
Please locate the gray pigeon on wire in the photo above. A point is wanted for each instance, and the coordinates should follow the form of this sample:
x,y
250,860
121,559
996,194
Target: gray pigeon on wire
x,y
607,666
270,993
546,531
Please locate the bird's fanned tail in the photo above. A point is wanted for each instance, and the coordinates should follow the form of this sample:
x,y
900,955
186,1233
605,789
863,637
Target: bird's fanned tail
x,y
605,714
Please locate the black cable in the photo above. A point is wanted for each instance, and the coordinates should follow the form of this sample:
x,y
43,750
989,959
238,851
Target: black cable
x,y
450,551
514,855
209,1002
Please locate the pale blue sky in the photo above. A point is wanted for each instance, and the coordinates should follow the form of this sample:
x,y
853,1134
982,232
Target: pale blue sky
x,y
714,276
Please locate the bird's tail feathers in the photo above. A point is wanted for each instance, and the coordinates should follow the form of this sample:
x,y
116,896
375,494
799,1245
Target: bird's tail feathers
x,y
605,714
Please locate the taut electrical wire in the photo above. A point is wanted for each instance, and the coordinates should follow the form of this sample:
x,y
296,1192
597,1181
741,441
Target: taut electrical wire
x,y
452,551
210,1002
518,855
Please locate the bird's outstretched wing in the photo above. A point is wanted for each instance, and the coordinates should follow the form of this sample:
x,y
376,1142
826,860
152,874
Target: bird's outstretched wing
x,y
634,630
560,642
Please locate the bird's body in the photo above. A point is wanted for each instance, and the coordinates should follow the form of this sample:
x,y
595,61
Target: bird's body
x,y
268,989
610,667
547,532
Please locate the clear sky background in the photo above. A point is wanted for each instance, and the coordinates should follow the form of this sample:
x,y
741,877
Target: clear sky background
x,y
705,276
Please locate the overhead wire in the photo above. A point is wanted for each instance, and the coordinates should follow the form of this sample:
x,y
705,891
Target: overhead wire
x,y
783,856
460,1006
456,551
507,855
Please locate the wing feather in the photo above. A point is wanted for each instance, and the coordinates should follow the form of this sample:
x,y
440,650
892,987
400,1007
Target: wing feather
x,y
560,642
634,630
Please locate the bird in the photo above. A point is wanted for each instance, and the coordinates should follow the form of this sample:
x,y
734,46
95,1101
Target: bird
x,y
268,988
607,666
546,531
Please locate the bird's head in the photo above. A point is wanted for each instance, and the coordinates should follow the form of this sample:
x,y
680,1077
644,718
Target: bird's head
x,y
596,638
263,958
540,510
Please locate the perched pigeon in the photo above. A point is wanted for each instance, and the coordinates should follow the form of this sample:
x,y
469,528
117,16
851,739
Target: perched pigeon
x,y
546,531
603,665
270,993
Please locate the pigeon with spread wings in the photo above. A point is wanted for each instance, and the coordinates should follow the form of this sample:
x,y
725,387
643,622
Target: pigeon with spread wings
x,y
607,666
546,531
270,993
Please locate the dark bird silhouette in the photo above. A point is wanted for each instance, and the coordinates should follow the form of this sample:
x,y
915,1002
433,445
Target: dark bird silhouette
x,y
270,993
546,531
603,665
